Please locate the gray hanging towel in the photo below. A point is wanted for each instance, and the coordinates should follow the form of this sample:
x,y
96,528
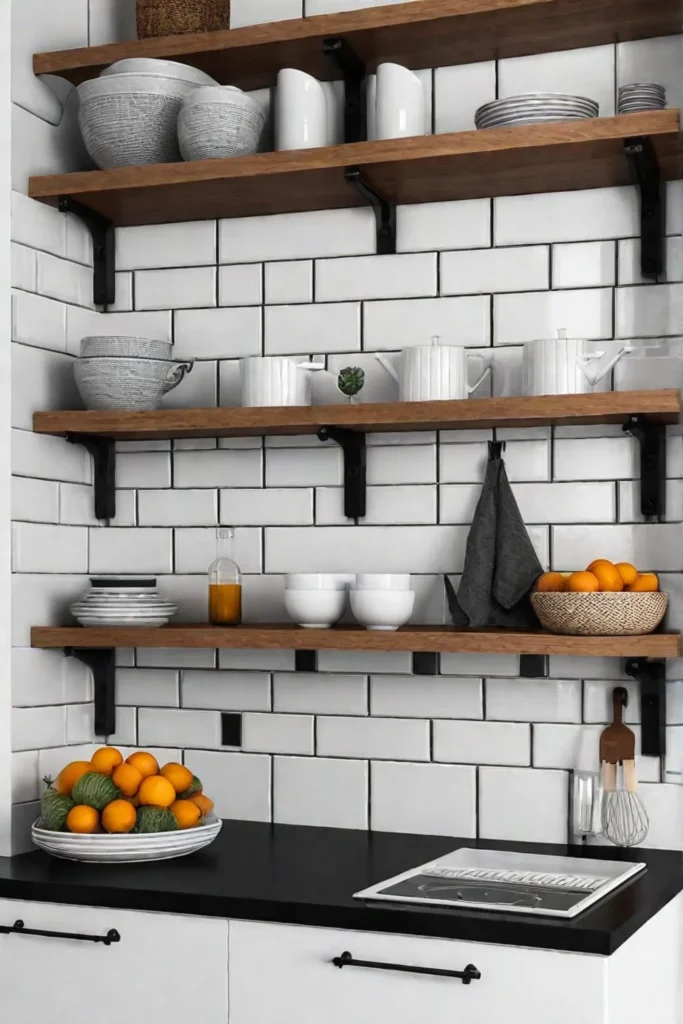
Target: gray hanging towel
x,y
501,565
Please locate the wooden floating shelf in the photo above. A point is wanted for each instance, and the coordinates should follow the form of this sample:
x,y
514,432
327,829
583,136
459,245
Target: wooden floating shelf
x,y
461,165
473,414
424,33
416,639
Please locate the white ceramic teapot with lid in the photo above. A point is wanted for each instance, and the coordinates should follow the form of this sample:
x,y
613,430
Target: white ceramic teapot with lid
x,y
565,366
432,373
275,380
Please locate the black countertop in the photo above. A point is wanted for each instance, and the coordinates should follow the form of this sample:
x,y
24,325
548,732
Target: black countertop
x,y
301,875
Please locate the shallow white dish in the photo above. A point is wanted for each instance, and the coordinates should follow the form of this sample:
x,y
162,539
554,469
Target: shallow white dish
x,y
382,581
315,609
382,609
126,849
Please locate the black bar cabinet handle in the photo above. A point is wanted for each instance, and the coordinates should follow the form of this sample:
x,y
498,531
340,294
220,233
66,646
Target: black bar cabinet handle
x,y
469,974
18,929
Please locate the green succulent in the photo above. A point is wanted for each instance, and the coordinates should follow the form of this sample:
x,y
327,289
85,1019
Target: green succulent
x,y
351,380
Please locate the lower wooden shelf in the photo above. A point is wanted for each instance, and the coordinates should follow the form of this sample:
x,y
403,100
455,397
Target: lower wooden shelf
x,y
415,639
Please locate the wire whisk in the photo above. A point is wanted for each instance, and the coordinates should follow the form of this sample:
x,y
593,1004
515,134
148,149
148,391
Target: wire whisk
x,y
624,818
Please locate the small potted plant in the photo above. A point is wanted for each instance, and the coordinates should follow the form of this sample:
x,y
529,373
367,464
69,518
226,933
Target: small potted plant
x,y
351,381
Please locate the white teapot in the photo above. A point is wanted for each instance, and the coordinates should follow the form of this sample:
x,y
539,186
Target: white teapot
x,y
275,380
431,373
565,366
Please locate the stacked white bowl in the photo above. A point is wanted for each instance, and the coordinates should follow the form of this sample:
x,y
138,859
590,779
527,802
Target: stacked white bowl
x,y
316,600
126,373
382,601
122,601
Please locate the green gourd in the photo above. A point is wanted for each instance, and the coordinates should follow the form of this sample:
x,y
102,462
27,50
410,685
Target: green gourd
x,y
194,787
155,819
54,807
95,790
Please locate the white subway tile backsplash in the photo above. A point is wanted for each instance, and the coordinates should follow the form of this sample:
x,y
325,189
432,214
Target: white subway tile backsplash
x,y
630,499
240,285
37,320
217,333
166,245
533,700
195,549
143,469
364,661
80,726
596,458
314,328
663,806
495,270
33,728
77,506
131,551
24,776
425,697
254,12
598,705
239,783
389,506
653,60
178,507
479,664
41,547
400,323
36,225
147,324
179,728
524,461
217,468
63,280
523,805
266,660
275,506
151,687
320,693
386,738
289,282
432,226
35,500
320,791
188,288
599,213
630,261
278,734
23,267
42,598
649,311
290,236
225,691
593,67
403,465
41,379
49,458
459,91
482,743
424,799
175,657
523,317
409,275
651,547
584,264
293,467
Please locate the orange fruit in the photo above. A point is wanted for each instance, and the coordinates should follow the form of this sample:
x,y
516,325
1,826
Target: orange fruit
x,y
550,583
106,759
145,763
645,583
69,776
178,775
583,583
187,813
83,819
119,816
203,803
156,791
608,576
127,779
628,572
598,561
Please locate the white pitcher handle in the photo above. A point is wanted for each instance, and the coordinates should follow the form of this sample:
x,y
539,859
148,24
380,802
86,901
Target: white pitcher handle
x,y
386,365
486,372
585,361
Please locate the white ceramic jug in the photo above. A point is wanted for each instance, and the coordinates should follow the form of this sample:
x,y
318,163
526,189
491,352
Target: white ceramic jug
x,y
275,380
430,373
564,366
301,115
396,103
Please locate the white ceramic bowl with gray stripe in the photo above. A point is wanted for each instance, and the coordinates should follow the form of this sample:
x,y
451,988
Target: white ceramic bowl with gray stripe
x,y
151,65
134,385
115,345
219,121
131,119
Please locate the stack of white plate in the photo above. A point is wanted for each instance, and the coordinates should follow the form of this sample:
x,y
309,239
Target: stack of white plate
x,y
535,108
117,601
641,96
103,848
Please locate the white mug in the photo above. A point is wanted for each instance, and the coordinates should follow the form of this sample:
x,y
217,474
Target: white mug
x,y
301,116
565,366
396,103
275,380
432,373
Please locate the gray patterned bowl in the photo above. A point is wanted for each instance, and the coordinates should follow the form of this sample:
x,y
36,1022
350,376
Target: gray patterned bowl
x,y
219,121
115,382
115,345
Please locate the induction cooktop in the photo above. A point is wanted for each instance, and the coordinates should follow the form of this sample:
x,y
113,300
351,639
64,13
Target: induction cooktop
x,y
517,883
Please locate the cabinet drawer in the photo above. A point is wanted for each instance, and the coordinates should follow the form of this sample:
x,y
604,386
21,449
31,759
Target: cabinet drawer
x,y
164,968
282,974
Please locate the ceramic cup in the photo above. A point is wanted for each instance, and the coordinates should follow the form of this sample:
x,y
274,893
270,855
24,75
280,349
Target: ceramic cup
x,y
396,103
566,366
429,373
275,380
301,118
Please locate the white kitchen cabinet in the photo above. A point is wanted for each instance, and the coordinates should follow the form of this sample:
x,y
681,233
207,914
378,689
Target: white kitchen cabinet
x,y
165,968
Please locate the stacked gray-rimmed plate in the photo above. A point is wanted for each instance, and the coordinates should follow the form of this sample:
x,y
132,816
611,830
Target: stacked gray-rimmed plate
x,y
121,601
535,108
641,96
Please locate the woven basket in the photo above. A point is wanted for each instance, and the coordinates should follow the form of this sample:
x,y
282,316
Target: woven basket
x,y
620,614
180,17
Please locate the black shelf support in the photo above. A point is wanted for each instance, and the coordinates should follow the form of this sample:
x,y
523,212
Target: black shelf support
x,y
103,451
104,252
652,440
353,71
425,663
305,661
646,175
102,662
385,212
352,443
533,666
651,675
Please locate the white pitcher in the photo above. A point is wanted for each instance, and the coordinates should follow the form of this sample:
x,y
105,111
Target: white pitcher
x,y
301,114
275,380
564,366
396,103
432,373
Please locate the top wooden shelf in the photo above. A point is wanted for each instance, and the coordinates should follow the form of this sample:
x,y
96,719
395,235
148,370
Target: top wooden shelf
x,y
423,33
472,414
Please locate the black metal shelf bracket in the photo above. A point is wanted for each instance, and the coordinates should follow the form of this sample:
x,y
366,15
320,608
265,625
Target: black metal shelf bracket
x,y
353,71
651,675
102,662
646,175
104,250
385,212
533,666
305,661
352,443
103,451
652,440
425,663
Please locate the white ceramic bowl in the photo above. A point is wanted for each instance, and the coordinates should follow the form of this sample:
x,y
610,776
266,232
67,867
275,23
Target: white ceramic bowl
x,y
114,345
319,581
119,382
103,848
382,609
315,609
153,66
219,121
382,581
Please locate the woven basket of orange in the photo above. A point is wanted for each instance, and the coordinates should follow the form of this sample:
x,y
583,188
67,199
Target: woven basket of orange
x,y
606,599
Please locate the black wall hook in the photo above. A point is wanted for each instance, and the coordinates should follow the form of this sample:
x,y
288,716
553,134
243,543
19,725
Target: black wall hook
x,y
496,449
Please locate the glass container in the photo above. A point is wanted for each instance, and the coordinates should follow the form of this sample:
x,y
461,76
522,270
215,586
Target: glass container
x,y
225,582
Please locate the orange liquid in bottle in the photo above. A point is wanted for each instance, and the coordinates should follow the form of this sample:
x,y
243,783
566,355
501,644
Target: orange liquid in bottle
x,y
225,604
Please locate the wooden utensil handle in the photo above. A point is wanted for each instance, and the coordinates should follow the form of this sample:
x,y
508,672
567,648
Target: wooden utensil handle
x,y
609,777
630,777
